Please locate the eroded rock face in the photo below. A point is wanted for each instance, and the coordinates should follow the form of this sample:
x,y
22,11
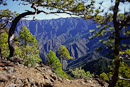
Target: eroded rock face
x,y
14,74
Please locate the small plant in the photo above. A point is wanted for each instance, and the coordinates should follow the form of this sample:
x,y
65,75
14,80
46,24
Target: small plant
x,y
3,44
104,76
80,73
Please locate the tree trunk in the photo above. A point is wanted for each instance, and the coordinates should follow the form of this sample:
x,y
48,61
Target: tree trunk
x,y
12,30
116,60
62,63
116,63
117,46
0,53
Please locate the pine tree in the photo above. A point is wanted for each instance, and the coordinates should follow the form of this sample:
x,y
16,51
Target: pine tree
x,y
4,44
30,52
63,53
5,16
54,62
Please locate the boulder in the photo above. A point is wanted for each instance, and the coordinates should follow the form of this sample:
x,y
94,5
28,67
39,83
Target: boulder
x,y
5,77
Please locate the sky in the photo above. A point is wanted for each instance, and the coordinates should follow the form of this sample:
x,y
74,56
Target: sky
x,y
14,6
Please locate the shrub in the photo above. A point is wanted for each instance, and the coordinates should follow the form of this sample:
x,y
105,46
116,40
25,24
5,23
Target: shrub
x,y
80,73
104,76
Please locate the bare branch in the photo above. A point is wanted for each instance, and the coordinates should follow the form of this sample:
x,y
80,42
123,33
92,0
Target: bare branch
x,y
121,78
34,6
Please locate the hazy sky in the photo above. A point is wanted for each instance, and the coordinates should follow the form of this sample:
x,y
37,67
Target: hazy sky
x,y
14,6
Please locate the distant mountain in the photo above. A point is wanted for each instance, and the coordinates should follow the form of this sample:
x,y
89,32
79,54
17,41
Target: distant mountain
x,y
74,34
71,32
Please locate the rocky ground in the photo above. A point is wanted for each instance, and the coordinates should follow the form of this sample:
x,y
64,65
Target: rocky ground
x,y
14,74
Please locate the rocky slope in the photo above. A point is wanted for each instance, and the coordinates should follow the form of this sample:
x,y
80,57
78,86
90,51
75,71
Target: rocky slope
x,y
14,74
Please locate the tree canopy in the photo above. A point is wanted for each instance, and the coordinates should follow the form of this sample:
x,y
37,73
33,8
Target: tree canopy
x,y
6,16
54,62
3,44
29,47
64,53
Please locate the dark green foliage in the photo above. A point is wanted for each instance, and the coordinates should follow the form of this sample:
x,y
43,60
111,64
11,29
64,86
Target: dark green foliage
x,y
98,66
5,16
6,13
124,74
72,7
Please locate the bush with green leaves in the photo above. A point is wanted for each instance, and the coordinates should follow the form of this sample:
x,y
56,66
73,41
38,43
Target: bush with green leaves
x,y
89,75
124,75
4,48
3,44
61,73
104,76
80,73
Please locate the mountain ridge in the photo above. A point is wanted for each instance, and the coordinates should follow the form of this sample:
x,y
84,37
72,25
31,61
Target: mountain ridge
x,y
71,32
